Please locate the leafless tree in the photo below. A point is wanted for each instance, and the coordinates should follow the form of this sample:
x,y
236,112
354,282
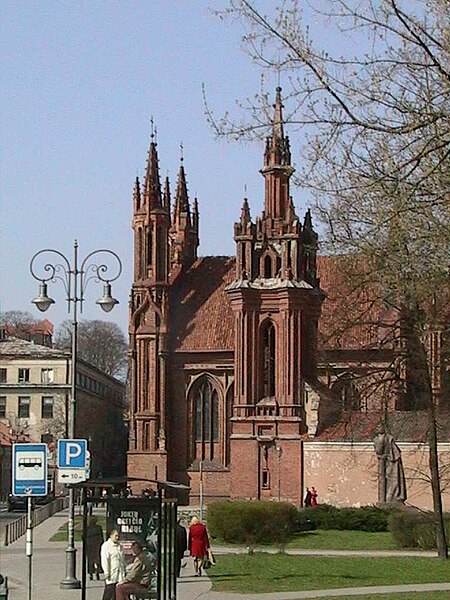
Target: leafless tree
x,y
17,319
375,131
100,343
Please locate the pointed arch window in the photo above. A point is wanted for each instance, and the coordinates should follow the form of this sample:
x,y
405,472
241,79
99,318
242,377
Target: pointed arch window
x,y
161,254
268,359
267,267
149,247
206,420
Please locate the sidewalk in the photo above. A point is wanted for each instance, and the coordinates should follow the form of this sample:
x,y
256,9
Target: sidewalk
x,y
49,569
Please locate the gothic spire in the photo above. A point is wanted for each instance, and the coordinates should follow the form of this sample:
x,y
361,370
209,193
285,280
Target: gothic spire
x,y
245,213
277,126
152,185
307,223
195,215
181,197
137,194
277,166
278,152
166,195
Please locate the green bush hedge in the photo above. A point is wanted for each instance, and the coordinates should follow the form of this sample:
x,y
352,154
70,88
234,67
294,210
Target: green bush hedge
x,y
252,522
323,516
415,530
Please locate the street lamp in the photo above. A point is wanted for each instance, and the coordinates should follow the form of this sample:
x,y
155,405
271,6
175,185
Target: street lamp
x,y
75,280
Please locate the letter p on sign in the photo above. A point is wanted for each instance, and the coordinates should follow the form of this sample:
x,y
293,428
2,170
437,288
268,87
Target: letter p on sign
x,y
73,451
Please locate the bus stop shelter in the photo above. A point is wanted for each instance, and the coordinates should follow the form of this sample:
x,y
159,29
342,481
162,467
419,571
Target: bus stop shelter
x,y
150,519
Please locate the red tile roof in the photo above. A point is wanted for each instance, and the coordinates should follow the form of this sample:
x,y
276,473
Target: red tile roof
x,y
43,327
203,321
201,316
353,313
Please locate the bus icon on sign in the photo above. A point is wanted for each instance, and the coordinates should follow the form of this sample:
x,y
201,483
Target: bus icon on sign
x,y
30,463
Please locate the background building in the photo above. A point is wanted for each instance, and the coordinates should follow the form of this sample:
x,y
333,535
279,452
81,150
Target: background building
x,y
35,395
255,367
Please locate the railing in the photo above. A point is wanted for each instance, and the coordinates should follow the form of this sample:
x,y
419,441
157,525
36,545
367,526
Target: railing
x,y
17,528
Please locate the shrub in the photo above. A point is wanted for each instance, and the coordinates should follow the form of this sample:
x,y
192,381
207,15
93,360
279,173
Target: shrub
x,y
415,529
366,518
252,522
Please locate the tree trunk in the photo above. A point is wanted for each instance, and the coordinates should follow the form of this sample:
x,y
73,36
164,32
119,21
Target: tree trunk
x,y
436,484
419,360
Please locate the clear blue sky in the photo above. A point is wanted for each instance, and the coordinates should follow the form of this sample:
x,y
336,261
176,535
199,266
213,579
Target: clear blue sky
x,y
79,83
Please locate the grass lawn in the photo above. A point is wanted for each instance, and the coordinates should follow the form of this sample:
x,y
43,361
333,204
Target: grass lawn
x,y
404,596
281,573
329,539
61,534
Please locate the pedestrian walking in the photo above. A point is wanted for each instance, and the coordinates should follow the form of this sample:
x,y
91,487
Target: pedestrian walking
x,y
139,575
198,543
113,564
314,495
93,544
180,546
307,501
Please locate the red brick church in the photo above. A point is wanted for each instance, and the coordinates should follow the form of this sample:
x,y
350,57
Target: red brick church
x,y
228,378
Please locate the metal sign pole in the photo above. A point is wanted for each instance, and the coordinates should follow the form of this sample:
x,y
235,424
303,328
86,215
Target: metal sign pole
x,y
29,544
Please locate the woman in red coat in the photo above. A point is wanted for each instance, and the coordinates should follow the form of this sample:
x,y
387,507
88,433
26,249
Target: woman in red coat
x,y
198,544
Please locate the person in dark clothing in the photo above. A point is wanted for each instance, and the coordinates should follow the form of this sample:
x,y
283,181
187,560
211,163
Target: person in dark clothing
x,y
94,541
180,546
307,498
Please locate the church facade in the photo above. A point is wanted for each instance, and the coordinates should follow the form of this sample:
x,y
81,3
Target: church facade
x,y
234,374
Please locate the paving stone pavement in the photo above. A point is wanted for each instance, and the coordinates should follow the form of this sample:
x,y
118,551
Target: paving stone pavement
x,y
49,569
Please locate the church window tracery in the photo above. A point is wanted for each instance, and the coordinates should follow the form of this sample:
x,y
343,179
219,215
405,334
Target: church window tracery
x,y
205,420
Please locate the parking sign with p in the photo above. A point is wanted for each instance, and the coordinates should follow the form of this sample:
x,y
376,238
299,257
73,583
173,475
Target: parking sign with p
x,y
72,454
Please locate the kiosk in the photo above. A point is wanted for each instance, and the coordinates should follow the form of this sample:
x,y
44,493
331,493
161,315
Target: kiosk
x,y
150,519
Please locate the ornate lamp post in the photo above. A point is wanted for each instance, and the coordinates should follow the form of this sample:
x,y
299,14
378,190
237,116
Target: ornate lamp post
x,y
75,279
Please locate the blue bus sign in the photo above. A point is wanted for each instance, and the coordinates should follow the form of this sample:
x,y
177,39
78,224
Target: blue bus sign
x,y
29,470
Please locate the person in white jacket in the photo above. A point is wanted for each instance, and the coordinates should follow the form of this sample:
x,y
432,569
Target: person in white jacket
x,y
113,564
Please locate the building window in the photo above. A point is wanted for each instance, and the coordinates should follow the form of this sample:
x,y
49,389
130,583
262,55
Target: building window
x,y
268,360
265,479
348,392
47,407
2,407
2,375
267,267
24,407
206,419
146,437
47,376
24,376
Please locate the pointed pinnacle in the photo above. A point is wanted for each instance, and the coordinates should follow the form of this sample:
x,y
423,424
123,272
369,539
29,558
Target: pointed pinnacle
x,y
277,126
152,186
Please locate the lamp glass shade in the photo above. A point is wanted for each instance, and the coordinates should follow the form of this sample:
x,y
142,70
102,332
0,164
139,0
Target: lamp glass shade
x,y
107,302
43,301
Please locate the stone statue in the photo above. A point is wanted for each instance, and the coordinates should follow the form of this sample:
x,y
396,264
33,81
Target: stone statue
x,y
391,477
